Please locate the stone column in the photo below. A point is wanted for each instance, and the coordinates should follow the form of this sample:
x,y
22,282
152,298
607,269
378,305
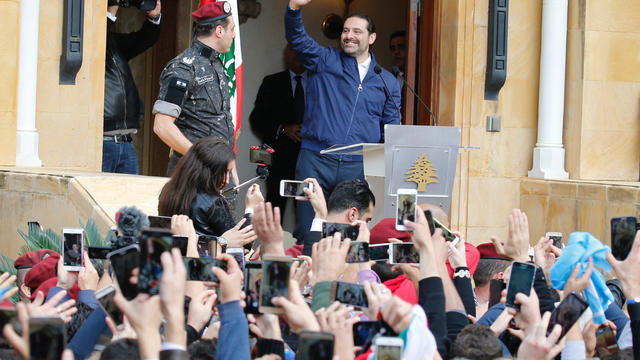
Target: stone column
x,y
548,154
27,134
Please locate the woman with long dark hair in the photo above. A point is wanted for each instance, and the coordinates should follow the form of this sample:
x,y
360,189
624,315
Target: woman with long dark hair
x,y
194,189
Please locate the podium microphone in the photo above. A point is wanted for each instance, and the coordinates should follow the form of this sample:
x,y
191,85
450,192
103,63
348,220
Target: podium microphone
x,y
396,71
378,70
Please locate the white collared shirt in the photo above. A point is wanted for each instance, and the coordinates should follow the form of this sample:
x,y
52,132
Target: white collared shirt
x,y
364,68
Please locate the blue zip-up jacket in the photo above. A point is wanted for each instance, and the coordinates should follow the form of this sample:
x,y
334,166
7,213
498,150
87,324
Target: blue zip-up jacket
x,y
339,109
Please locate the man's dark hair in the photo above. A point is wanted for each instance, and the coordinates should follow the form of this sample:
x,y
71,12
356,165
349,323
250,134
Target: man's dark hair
x,y
121,349
384,271
399,33
348,194
477,342
207,29
371,27
203,349
487,268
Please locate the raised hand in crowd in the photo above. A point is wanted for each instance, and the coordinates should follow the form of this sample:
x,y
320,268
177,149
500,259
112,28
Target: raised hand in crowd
x,y
545,255
230,281
422,240
201,309
145,316
172,288
516,247
237,238
377,294
316,198
297,4
299,272
397,313
575,283
66,279
265,326
266,222
457,254
253,197
336,319
6,281
124,332
88,276
329,258
296,311
183,225
627,271
535,342
52,307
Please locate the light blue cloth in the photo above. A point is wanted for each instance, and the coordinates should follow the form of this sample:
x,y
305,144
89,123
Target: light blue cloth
x,y
581,247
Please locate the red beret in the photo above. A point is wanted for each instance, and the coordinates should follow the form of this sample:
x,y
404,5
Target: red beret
x,y
42,271
211,12
47,285
386,229
488,251
32,258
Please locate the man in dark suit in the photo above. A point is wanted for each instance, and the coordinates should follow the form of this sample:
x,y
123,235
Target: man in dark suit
x,y
277,118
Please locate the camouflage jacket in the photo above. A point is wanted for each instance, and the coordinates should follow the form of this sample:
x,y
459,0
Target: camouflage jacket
x,y
194,90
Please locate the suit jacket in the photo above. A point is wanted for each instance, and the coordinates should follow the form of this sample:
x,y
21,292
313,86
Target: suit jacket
x,y
308,240
273,107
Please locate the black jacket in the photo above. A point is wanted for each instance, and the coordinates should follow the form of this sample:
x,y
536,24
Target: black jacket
x,y
122,106
211,215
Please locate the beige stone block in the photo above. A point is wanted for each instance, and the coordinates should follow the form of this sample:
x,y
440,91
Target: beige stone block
x,y
534,187
9,18
48,97
572,132
562,216
608,56
8,144
491,200
625,194
49,41
519,101
479,107
563,188
477,235
537,209
575,55
479,52
479,159
592,192
609,155
481,13
611,106
591,217
613,15
512,155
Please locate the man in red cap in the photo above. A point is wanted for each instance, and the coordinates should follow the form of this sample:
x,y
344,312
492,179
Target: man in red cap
x,y
194,101
24,263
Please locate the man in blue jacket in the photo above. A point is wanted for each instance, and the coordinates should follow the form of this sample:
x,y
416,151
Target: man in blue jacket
x,y
346,102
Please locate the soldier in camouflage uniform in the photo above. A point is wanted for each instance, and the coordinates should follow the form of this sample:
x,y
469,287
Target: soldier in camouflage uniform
x,y
194,100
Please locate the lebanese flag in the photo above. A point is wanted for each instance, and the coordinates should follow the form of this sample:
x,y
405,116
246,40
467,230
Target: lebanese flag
x,y
232,62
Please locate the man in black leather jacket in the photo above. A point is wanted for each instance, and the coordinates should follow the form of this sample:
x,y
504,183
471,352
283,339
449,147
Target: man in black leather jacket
x,y
123,108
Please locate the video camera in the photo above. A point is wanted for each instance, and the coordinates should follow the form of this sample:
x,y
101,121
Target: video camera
x,y
261,155
144,5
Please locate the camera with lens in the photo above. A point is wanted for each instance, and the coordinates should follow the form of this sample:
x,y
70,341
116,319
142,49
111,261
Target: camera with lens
x,y
144,5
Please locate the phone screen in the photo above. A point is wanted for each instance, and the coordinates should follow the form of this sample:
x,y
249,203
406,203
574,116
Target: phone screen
x,y
160,222
388,352
98,252
252,282
152,245
199,269
556,238
520,281
238,254
347,231
495,291
567,313
364,331
623,231
46,337
292,188
606,344
430,222
72,252
259,156
207,245
358,252
350,294
181,242
379,252
123,261
275,275
315,345
406,208
105,299
404,253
